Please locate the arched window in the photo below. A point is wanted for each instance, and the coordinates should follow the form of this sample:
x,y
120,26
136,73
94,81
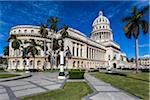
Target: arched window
x,y
13,62
78,64
32,31
39,52
18,62
24,62
74,64
31,62
38,62
25,31
114,56
82,64
19,31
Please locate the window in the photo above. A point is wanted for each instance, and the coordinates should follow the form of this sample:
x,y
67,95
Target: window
x,y
13,62
87,52
108,57
77,51
81,51
19,31
25,31
73,51
14,31
114,57
39,52
32,31
18,62
31,62
38,62
78,64
24,62
82,64
74,64
100,27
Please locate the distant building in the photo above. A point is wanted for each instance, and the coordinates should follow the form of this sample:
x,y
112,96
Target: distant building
x,y
144,62
99,50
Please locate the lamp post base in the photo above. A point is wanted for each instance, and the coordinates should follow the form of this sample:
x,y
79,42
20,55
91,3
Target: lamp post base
x,y
61,75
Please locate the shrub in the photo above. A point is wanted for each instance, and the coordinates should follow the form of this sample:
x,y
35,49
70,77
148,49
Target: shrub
x,y
76,74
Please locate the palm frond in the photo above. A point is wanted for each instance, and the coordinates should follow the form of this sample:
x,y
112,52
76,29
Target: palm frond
x,y
127,19
128,34
145,9
144,25
134,10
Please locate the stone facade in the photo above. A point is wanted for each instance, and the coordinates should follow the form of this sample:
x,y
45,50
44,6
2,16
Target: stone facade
x,y
98,51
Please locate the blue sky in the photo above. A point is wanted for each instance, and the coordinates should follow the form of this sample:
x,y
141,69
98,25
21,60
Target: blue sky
x,y
76,14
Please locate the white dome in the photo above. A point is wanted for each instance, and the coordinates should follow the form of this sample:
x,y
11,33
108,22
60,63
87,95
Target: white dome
x,y
101,19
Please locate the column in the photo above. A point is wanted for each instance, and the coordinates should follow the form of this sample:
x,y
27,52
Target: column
x,y
75,49
79,53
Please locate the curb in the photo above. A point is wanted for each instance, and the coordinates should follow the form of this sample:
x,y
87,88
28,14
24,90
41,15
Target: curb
x,y
92,94
16,78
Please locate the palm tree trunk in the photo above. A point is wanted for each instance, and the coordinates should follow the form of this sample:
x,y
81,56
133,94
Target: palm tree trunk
x,y
52,52
34,63
136,43
16,59
44,54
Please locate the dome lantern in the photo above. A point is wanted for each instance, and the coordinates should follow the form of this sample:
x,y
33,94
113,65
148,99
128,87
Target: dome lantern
x,y
100,13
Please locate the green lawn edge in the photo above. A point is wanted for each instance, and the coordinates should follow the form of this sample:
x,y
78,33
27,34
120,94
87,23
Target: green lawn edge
x,y
71,91
135,84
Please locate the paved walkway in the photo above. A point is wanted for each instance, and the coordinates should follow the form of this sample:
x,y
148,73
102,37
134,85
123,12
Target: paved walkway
x,y
39,82
104,91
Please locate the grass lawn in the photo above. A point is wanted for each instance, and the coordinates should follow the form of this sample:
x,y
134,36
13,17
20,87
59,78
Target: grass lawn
x,y
136,84
2,70
71,91
8,75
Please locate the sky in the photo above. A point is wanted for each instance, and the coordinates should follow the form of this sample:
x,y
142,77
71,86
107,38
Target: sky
x,y
76,14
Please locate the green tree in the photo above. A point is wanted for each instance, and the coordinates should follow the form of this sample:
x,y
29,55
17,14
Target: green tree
x,y
44,34
32,49
6,51
135,22
53,21
16,44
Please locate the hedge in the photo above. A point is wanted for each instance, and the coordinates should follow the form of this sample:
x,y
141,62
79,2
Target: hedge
x,y
76,74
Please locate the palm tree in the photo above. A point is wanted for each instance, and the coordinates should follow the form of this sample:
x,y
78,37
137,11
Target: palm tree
x,y
16,44
134,24
64,34
44,33
6,53
53,21
32,49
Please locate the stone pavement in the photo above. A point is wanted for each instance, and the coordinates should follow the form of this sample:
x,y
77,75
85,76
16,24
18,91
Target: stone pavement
x,y
39,82
104,91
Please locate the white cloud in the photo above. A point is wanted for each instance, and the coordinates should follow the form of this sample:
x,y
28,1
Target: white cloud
x,y
145,56
142,45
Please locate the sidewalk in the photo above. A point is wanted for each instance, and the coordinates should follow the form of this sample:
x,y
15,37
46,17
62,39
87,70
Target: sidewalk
x,y
38,83
104,91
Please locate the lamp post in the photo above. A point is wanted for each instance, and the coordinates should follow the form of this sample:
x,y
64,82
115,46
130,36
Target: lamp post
x,y
62,73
